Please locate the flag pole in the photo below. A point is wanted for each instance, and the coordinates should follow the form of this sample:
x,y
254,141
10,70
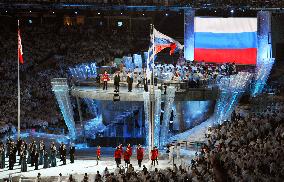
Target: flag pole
x,y
19,91
153,92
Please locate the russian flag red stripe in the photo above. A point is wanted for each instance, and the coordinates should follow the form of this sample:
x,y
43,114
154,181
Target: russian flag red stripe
x,y
238,56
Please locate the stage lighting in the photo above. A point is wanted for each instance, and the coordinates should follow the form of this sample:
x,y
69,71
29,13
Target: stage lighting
x,y
167,14
215,11
76,12
121,13
6,11
99,13
143,14
232,11
30,11
52,12
30,21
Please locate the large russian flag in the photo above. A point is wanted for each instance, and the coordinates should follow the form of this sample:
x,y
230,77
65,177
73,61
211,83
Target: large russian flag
x,y
222,40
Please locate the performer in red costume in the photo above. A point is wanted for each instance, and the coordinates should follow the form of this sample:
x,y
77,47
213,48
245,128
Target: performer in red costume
x,y
117,156
98,154
126,156
140,154
105,79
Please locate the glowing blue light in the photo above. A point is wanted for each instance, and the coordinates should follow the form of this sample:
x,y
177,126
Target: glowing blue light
x,y
84,71
157,117
61,91
167,114
93,126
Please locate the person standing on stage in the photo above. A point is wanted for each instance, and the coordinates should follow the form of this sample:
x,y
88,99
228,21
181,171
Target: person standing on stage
x,y
60,149
105,79
117,156
72,153
140,154
24,166
33,156
129,81
41,152
98,154
19,144
145,83
116,82
157,154
153,156
126,156
46,160
130,149
64,154
36,156
53,155
2,156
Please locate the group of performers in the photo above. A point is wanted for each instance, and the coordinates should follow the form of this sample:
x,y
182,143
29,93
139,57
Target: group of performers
x,y
33,154
118,153
126,154
129,79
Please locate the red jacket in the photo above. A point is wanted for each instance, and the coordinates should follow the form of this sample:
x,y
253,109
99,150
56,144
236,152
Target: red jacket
x,y
130,150
98,152
105,77
157,153
140,153
126,155
117,154
153,154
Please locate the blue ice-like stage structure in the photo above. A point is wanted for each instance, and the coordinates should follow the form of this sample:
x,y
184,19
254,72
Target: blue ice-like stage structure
x,y
262,72
264,52
93,126
146,97
231,89
128,62
84,71
93,106
167,113
137,58
61,91
157,127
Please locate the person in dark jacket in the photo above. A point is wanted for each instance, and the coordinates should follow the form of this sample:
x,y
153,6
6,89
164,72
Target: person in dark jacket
x,y
24,166
41,152
116,82
72,153
129,82
2,156
45,160
36,156
64,154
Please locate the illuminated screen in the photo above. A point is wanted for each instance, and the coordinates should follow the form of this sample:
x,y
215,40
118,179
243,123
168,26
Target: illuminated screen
x,y
221,40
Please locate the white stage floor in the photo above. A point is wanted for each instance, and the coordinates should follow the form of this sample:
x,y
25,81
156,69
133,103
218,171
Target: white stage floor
x,y
80,167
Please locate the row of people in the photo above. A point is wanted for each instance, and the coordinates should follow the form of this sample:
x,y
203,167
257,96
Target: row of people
x,y
33,154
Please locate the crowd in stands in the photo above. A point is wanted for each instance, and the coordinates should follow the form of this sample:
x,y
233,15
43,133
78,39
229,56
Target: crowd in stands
x,y
49,49
249,148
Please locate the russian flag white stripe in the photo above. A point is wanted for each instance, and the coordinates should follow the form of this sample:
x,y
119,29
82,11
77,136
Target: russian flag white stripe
x,y
225,25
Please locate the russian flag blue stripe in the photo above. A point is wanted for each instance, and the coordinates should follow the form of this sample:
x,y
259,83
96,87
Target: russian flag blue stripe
x,y
208,40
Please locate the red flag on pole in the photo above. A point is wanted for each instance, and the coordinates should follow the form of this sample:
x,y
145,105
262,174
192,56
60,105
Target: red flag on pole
x,y
20,50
